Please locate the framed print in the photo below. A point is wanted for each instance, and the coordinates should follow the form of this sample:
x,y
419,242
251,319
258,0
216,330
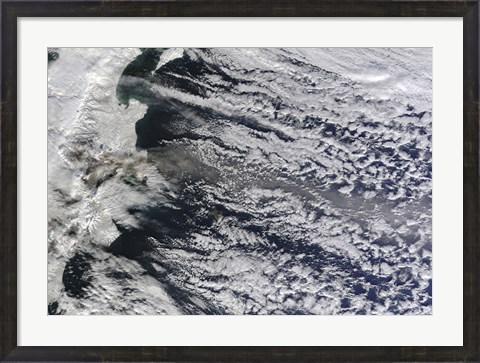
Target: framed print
x,y
239,181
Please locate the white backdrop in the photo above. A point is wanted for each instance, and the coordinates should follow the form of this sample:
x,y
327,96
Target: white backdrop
x,y
444,327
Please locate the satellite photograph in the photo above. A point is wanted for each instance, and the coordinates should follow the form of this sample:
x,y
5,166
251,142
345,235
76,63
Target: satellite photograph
x,y
239,181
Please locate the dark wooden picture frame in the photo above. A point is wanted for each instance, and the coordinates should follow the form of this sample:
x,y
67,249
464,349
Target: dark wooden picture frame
x,y
12,10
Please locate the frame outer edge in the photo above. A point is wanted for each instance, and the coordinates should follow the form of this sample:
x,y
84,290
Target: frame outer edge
x,y
471,251
8,193
8,188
